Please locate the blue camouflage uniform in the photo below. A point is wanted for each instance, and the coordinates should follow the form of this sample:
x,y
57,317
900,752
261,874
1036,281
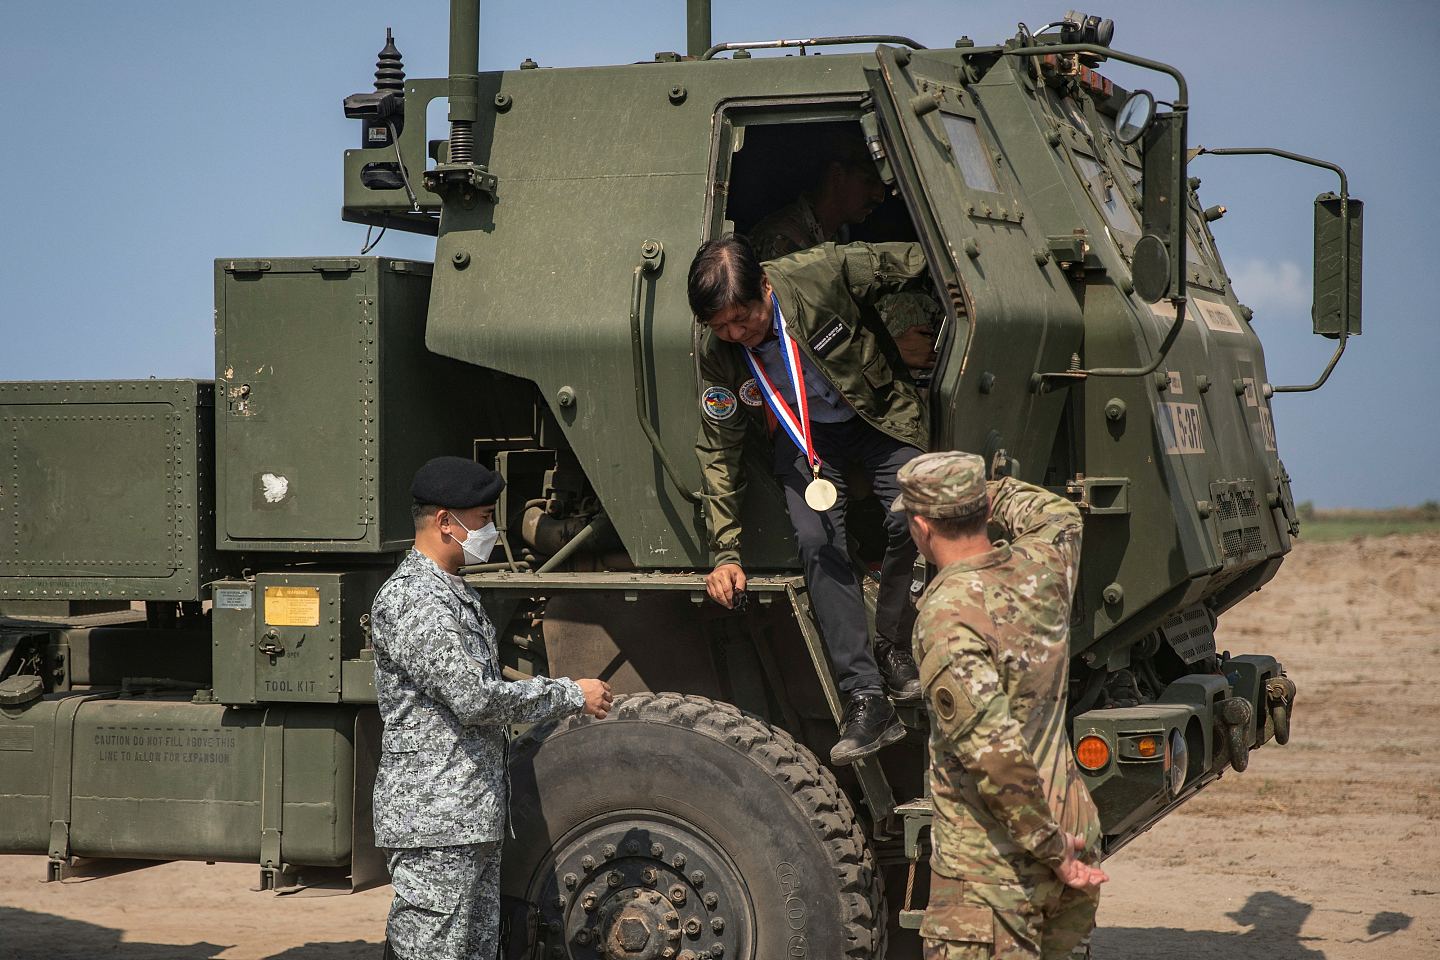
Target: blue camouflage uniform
x,y
441,791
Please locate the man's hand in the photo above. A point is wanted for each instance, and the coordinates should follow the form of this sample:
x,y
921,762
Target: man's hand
x,y
917,347
598,697
1075,872
725,583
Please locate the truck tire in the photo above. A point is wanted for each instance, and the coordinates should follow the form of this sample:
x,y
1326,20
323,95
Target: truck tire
x,y
678,824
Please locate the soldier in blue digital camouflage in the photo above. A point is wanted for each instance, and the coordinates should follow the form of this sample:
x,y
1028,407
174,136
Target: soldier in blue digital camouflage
x,y
441,791
1014,825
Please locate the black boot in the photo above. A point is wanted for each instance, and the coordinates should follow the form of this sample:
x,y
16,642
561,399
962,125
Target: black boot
x,y
897,668
870,723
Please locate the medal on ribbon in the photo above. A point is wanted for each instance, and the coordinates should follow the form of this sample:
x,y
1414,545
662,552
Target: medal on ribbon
x,y
820,494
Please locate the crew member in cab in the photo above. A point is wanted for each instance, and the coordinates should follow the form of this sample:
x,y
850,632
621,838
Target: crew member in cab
x,y
803,320
846,190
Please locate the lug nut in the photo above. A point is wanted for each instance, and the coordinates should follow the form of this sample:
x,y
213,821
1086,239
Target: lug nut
x,y
697,879
583,937
678,861
717,949
588,904
677,895
587,863
608,851
559,903
657,851
632,848
692,927
711,901
571,880
613,878
649,876
718,925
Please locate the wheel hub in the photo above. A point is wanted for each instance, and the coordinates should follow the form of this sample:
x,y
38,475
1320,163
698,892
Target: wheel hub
x,y
633,889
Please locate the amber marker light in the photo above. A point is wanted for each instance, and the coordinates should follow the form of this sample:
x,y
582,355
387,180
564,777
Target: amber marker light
x,y
1148,747
1092,752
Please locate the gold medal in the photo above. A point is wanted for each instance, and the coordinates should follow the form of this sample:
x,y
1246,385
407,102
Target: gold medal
x,y
820,494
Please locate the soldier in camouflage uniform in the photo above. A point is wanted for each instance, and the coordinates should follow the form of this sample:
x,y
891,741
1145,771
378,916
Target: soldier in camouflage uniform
x,y
846,192
1013,819
441,790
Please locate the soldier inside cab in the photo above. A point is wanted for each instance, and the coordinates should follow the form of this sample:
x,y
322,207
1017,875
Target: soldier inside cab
x,y
845,189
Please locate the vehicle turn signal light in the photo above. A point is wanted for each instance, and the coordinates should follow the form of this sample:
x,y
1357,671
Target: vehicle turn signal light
x,y
1148,746
1092,752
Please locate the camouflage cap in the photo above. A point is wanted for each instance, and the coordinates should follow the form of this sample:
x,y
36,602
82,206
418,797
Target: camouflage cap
x,y
945,484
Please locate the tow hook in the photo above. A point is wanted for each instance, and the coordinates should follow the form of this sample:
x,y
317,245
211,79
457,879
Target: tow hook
x,y
1237,717
1280,695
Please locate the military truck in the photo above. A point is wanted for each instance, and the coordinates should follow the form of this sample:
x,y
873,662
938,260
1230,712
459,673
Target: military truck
x,y
1090,342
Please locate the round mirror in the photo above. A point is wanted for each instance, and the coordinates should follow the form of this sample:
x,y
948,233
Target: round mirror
x,y
1150,268
1134,116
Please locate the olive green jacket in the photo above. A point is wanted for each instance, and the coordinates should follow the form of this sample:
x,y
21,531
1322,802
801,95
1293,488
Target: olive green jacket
x,y
827,294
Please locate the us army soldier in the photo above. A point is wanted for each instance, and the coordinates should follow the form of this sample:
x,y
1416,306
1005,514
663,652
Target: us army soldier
x,y
441,791
992,638
846,190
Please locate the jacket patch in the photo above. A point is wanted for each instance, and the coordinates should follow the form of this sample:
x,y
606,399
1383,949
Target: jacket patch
x,y
718,403
827,340
750,394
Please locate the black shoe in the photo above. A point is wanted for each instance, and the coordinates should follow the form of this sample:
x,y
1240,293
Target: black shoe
x,y
870,723
897,667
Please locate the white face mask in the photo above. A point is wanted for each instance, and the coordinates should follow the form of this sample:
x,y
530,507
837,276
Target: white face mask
x,y
477,543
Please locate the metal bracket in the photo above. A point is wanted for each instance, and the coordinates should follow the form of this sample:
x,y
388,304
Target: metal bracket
x,y
448,179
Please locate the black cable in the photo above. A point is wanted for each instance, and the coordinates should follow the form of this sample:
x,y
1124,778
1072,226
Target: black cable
x,y
369,245
404,177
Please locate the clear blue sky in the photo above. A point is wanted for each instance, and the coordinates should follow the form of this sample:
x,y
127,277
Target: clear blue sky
x,y
144,140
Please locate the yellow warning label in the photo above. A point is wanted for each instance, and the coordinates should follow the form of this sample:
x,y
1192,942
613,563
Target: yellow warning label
x,y
292,606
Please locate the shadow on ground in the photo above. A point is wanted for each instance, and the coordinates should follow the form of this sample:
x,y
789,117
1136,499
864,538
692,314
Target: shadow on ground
x,y
1274,921
28,935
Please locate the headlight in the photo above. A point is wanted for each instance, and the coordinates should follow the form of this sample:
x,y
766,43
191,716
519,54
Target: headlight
x,y
1179,760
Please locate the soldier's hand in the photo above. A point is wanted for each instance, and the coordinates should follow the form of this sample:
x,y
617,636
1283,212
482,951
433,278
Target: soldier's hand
x,y
725,583
598,697
1075,872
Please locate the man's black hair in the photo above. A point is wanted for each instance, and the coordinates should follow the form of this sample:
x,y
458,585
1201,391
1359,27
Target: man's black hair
x,y
725,272
420,512
954,528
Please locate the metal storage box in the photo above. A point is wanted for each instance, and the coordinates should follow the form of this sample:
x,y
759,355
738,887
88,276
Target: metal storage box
x,y
95,776
106,490
288,637
328,402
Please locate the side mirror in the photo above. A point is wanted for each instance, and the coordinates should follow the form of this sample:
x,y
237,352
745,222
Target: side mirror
x,y
1336,307
1158,264
1135,116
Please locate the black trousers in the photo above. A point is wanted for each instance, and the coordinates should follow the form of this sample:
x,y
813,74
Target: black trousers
x,y
835,593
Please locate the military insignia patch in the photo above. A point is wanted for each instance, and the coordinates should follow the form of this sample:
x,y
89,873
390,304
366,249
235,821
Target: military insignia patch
x,y
945,703
718,403
750,394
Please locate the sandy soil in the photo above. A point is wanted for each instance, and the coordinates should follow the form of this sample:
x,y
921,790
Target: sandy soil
x,y
1327,848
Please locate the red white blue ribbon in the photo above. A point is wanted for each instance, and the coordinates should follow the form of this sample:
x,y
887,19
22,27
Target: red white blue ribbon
x,y
796,427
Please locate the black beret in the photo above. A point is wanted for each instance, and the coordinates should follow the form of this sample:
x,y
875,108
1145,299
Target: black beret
x,y
456,483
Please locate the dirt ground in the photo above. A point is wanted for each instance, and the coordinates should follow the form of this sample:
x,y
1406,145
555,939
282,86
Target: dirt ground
x,y
1326,848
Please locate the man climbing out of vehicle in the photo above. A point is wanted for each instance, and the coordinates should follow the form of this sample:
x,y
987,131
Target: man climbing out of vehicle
x,y
804,319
